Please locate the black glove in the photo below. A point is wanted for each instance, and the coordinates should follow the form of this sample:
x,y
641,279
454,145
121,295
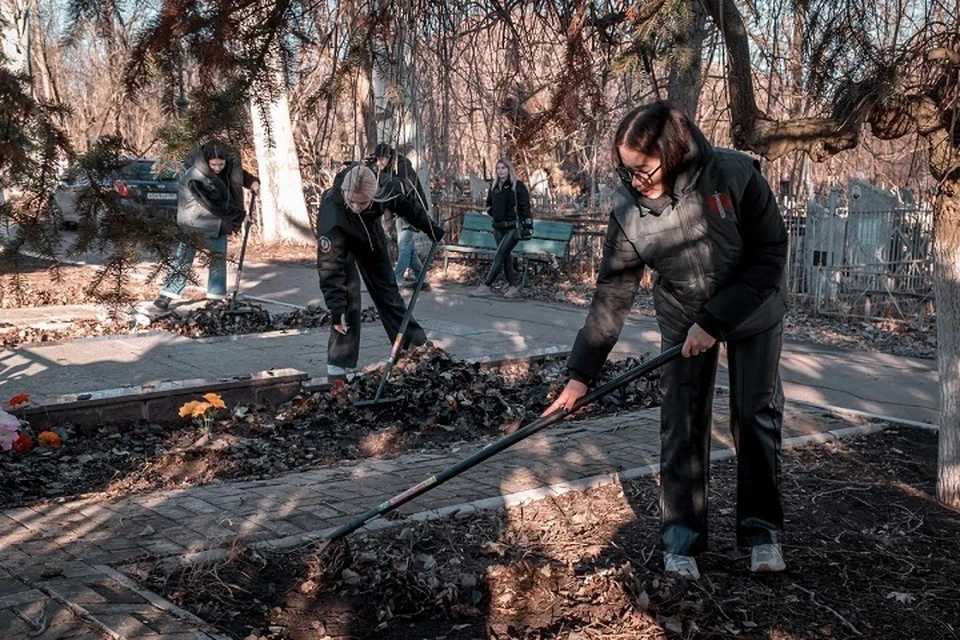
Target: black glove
x,y
526,229
436,231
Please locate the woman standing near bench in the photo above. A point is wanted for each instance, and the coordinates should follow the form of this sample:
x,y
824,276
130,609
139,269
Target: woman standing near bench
x,y
508,203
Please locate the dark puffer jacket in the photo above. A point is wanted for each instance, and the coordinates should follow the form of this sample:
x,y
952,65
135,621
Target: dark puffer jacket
x,y
211,203
409,183
507,205
719,250
343,235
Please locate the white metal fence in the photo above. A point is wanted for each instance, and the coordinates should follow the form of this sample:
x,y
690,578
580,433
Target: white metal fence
x,y
866,264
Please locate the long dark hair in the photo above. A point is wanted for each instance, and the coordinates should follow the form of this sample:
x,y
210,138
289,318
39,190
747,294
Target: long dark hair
x,y
658,128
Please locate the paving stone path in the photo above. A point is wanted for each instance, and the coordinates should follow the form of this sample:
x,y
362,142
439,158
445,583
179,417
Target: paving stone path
x,y
61,562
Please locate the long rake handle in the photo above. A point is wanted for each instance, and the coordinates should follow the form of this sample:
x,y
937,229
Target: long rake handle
x,y
247,223
406,321
507,441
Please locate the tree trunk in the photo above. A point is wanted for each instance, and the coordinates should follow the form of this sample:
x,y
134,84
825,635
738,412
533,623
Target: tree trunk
x,y
367,109
284,208
946,248
683,83
15,35
41,66
398,113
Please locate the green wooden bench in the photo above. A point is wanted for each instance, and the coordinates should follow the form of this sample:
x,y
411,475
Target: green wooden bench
x,y
550,241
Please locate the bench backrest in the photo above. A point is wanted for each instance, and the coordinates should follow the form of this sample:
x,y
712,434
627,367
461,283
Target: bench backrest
x,y
477,231
549,236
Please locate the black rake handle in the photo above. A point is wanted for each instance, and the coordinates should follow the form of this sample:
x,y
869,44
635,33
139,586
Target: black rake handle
x,y
507,441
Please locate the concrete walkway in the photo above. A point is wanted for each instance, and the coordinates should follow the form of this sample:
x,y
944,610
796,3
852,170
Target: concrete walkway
x,y
467,327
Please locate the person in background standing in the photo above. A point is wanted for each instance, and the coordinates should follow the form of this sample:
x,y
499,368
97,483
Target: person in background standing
x,y
508,203
396,166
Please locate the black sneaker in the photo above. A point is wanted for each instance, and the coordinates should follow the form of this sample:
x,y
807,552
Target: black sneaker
x,y
162,303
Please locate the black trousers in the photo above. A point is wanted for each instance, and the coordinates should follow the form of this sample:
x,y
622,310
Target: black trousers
x,y
344,350
756,420
506,239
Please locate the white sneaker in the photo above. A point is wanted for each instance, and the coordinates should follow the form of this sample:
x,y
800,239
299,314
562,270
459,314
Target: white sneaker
x,y
681,566
512,292
483,291
767,558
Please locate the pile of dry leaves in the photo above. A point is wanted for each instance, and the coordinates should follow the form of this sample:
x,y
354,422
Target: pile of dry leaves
x,y
442,401
214,319
870,555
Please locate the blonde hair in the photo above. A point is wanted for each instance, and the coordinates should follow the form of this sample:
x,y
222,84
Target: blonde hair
x,y
360,180
511,172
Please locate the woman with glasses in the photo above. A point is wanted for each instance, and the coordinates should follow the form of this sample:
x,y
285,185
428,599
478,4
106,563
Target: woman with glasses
x,y
706,221
508,203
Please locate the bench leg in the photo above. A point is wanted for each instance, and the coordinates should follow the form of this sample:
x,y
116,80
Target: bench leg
x,y
446,259
523,279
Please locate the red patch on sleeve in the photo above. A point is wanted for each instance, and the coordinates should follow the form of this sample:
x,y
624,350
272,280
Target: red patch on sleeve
x,y
720,203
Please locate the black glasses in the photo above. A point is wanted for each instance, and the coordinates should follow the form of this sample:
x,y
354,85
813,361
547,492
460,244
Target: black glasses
x,y
628,175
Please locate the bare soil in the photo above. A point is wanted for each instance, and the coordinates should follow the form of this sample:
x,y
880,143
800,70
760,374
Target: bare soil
x,y
870,553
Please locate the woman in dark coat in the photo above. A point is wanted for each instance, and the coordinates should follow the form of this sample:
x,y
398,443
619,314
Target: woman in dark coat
x,y
508,203
351,245
706,221
209,203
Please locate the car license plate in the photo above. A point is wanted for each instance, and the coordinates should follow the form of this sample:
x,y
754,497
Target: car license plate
x,y
161,196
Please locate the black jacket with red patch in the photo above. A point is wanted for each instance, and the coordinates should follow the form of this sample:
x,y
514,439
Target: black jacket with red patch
x,y
719,250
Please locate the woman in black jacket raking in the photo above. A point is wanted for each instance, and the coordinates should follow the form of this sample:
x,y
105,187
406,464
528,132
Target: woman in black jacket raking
x,y
508,203
706,221
351,246
209,203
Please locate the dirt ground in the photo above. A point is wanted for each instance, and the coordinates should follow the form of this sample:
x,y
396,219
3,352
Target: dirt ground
x,y
871,554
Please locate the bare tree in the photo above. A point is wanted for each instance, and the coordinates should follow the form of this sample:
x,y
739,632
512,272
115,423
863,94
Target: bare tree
x,y
899,75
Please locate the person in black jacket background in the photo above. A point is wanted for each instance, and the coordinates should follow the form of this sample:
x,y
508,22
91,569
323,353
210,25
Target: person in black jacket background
x,y
392,165
351,245
508,203
210,203
707,222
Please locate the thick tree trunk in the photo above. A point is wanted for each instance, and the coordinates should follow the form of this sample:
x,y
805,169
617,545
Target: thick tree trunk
x,y
284,208
41,66
683,83
946,233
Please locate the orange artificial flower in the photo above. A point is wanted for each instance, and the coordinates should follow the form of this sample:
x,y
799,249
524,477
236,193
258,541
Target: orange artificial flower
x,y
48,439
215,401
200,409
188,408
20,398
23,443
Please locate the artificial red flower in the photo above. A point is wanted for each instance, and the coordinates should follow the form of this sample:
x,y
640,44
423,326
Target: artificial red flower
x,y
23,443
20,398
